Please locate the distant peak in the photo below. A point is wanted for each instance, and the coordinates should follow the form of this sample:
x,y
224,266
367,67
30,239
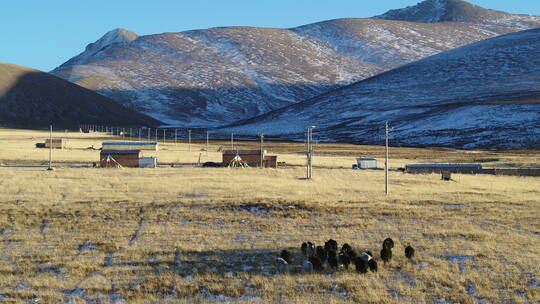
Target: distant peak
x,y
117,35
123,33
430,11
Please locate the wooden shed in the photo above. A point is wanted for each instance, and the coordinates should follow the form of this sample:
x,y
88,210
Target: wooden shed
x,y
56,143
270,161
251,157
153,146
124,158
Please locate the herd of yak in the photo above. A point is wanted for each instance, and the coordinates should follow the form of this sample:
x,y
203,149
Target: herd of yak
x,y
315,258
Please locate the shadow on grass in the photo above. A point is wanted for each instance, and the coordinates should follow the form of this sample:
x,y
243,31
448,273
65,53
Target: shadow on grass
x,y
221,262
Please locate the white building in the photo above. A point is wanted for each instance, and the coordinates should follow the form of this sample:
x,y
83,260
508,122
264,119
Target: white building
x,y
367,163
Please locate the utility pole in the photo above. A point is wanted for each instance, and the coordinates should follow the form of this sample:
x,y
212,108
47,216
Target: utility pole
x,y
175,137
130,134
156,134
189,140
207,143
50,149
386,159
140,134
148,133
164,135
232,141
262,151
309,152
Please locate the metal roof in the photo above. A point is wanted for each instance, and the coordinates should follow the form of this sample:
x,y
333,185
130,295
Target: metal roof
x,y
129,143
245,152
120,151
445,166
365,158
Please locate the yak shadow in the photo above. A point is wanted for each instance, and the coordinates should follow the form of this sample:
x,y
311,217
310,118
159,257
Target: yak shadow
x,y
220,262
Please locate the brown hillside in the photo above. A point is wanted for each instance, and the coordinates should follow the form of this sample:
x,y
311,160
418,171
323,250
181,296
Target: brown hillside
x,y
31,98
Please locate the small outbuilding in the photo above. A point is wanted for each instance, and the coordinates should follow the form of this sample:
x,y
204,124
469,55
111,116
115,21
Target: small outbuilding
x,y
367,163
119,158
270,161
55,143
148,162
152,146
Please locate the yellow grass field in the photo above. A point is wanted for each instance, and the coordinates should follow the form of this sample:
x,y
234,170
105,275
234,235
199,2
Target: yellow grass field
x,y
183,234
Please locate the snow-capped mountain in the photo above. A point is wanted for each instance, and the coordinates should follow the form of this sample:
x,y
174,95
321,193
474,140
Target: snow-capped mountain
x,y
460,11
486,94
31,98
211,77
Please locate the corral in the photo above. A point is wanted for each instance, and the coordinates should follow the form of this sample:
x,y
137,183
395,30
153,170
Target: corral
x,y
186,234
439,168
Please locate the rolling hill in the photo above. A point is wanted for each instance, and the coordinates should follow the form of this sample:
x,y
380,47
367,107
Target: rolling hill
x,y
486,94
31,98
211,77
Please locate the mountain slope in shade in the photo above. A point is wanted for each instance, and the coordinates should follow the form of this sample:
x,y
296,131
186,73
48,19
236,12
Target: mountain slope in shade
x,y
217,76
31,98
486,94
459,11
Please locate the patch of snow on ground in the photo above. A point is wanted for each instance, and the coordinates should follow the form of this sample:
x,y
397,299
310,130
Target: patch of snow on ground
x,y
443,301
533,283
471,292
461,260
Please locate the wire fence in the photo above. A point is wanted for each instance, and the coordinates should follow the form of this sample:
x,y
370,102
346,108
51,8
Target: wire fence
x,y
195,135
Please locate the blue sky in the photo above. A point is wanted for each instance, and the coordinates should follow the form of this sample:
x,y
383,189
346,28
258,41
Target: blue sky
x,y
43,34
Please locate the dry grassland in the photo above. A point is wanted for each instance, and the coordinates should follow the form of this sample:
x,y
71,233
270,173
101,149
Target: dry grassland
x,y
187,234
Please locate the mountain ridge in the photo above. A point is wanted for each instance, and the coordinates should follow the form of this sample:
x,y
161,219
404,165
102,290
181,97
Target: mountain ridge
x,y
212,77
459,98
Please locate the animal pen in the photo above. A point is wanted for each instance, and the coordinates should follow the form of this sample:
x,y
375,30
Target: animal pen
x,y
439,168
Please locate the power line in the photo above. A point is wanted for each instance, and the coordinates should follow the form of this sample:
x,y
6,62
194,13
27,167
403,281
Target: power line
x,y
386,159
309,152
